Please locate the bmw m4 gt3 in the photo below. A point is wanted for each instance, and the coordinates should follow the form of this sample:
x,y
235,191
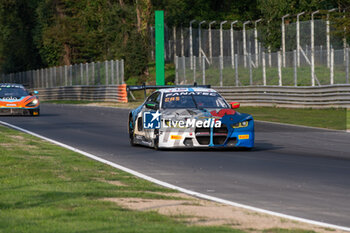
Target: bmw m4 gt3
x,y
190,117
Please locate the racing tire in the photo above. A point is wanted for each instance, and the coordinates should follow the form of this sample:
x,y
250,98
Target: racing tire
x,y
156,140
131,132
245,148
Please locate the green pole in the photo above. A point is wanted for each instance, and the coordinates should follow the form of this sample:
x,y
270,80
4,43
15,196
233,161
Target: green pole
x,y
159,47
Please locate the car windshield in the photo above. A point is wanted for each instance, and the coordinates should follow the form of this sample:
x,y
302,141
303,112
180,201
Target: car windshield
x,y
193,100
7,92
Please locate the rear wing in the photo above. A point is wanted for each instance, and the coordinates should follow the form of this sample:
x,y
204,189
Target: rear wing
x,y
144,87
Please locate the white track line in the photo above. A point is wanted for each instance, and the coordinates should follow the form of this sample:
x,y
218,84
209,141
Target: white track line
x,y
196,194
303,126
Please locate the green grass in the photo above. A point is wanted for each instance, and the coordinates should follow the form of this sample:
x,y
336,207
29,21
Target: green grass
x,y
45,188
324,118
303,76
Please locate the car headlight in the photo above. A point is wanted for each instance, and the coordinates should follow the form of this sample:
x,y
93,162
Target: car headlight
x,y
33,103
242,124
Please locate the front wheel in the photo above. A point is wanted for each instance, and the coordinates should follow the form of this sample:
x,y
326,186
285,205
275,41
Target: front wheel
x,y
156,139
131,132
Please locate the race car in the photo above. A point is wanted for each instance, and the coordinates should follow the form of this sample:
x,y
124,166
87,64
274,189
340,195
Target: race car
x,y
16,100
190,117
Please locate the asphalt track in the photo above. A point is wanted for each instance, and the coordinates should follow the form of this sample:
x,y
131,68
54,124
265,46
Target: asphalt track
x,y
298,171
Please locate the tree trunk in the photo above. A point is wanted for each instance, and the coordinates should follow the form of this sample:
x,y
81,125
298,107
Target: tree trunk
x,y
66,56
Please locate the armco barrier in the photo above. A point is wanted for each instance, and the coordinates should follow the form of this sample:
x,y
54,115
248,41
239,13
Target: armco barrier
x,y
111,93
337,96
122,94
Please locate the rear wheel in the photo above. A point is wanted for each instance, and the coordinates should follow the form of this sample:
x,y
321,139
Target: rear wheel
x,y
131,132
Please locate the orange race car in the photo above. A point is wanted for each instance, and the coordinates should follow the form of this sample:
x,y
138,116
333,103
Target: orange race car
x,y
16,100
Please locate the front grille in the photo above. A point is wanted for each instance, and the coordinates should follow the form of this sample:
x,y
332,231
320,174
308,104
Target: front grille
x,y
13,111
222,130
203,135
219,135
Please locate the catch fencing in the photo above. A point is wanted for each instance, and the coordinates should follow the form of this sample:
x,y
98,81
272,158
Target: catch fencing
x,y
94,73
202,40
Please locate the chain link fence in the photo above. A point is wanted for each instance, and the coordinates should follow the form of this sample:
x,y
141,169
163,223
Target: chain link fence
x,y
265,69
94,73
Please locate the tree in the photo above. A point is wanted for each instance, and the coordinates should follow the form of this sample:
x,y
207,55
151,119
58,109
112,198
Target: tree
x,y
17,50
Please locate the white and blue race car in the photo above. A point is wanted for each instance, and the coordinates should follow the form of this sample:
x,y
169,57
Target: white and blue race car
x,y
189,117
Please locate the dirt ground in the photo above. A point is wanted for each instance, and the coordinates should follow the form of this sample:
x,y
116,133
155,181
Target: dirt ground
x,y
194,211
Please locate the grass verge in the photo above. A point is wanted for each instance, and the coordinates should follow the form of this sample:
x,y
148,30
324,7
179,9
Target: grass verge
x,y
272,78
331,118
45,188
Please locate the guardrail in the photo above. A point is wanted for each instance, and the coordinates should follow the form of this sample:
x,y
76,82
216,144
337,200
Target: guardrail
x,y
337,96
110,93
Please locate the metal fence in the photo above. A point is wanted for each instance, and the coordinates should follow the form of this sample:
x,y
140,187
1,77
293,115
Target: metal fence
x,y
266,69
94,73
199,41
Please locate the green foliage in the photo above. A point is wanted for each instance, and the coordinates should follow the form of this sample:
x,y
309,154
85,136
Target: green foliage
x,y
17,51
178,12
272,12
63,32
41,33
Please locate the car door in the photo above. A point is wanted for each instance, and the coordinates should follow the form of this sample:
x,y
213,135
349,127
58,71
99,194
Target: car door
x,y
154,98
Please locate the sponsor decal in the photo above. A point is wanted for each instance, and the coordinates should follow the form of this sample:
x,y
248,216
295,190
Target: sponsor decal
x,y
194,123
11,86
11,105
171,99
151,120
176,137
223,112
9,98
244,136
188,93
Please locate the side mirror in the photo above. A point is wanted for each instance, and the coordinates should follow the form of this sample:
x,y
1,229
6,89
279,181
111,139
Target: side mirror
x,y
33,93
235,105
152,105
